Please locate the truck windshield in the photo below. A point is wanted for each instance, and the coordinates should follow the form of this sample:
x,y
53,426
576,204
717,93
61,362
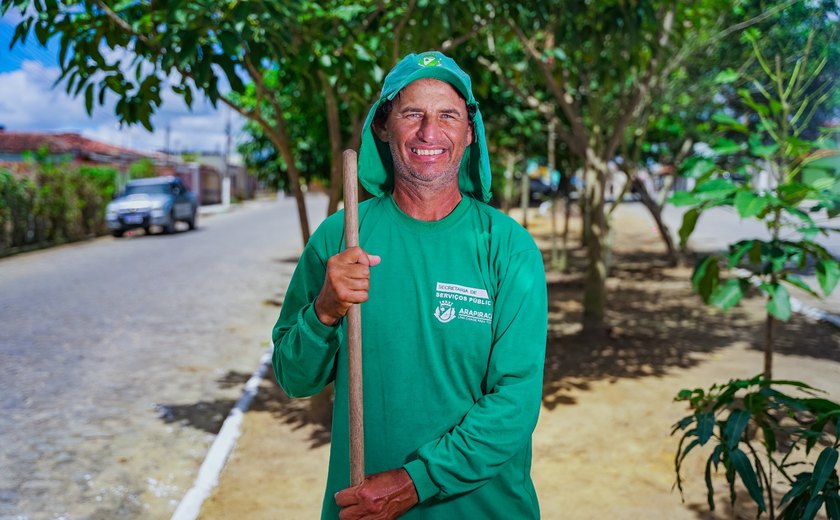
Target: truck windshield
x,y
148,189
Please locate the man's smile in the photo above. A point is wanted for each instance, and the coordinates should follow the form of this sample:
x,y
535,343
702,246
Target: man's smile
x,y
424,151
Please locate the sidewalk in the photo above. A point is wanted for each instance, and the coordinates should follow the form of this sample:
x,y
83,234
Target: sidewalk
x,y
602,447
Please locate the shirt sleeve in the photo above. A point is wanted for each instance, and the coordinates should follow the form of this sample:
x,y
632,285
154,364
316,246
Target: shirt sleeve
x,y
500,424
304,348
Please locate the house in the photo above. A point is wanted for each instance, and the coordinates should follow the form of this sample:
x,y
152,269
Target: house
x,y
70,147
204,177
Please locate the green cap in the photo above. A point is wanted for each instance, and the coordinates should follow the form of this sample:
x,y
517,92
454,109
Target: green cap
x,y
376,168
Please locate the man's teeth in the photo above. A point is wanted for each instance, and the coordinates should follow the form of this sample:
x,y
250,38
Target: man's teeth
x,y
427,152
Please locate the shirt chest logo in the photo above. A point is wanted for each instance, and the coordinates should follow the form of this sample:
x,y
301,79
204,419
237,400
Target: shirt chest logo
x,y
461,302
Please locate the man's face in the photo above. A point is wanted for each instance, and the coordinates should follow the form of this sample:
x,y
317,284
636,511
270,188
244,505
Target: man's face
x,y
427,130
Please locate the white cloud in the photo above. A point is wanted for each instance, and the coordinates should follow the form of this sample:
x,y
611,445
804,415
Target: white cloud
x,y
29,102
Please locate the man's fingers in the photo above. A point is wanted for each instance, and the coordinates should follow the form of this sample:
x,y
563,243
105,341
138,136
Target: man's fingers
x,y
357,255
351,297
346,497
351,513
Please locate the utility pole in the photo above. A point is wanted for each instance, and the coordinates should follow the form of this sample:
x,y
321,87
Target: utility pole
x,y
167,145
226,178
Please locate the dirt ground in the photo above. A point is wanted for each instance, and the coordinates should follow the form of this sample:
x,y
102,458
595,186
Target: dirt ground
x,y
602,447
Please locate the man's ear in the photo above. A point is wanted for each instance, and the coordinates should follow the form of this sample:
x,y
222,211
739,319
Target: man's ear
x,y
380,131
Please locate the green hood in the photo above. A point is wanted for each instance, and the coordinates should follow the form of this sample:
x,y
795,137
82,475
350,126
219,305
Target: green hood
x,y
376,169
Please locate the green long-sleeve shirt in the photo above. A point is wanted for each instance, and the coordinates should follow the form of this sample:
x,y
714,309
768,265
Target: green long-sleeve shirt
x,y
453,341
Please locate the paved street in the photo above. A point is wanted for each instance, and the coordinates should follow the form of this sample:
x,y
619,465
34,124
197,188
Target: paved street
x,y
121,359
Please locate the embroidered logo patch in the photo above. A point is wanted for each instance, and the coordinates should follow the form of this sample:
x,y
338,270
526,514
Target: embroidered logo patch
x,y
429,60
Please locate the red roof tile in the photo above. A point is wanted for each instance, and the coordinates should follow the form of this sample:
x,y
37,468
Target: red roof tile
x,y
61,143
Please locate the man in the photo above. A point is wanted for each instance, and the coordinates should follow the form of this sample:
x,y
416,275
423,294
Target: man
x,y
453,309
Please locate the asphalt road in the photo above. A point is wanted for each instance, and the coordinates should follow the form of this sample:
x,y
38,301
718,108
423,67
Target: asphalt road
x,y
121,357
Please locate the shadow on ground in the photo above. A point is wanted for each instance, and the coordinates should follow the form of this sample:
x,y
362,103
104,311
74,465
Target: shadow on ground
x,y
297,413
208,416
649,330
653,323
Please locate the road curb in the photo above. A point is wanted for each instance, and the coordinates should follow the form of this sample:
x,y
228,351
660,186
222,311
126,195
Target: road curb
x,y
796,305
814,313
217,455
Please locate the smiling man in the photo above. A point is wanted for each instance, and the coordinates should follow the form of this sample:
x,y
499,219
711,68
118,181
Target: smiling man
x,y
454,316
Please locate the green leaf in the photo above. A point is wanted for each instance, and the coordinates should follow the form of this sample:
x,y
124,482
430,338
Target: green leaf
x,y
749,204
697,166
724,146
823,469
728,122
764,151
729,294
779,303
742,465
710,490
688,224
683,198
89,98
793,193
706,277
705,426
832,507
726,76
813,506
734,428
714,189
800,283
798,487
828,273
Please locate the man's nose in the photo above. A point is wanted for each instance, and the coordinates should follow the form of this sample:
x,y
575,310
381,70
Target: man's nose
x,y
429,129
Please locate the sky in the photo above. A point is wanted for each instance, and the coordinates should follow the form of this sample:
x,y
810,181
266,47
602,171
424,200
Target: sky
x,y
29,102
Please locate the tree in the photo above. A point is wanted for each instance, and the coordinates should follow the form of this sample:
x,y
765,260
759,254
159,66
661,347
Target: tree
x,y
135,49
597,62
782,103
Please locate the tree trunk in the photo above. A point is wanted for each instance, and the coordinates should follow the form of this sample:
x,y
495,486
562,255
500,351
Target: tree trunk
x,y
551,165
656,212
595,293
590,180
507,192
523,198
334,132
768,348
280,138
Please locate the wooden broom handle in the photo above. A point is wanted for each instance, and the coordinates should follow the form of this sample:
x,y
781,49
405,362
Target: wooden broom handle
x,y
354,328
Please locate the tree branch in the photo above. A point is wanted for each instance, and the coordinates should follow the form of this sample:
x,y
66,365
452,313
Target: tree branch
x,y
122,24
352,37
530,100
395,50
562,97
454,42
630,109
686,51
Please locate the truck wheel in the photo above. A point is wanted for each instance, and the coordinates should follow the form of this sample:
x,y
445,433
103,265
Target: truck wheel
x,y
193,222
117,233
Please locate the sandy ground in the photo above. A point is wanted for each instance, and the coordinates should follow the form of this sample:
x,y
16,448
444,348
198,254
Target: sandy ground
x,y
602,447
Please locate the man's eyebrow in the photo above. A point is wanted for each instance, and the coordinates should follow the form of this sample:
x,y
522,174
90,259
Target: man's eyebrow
x,y
410,108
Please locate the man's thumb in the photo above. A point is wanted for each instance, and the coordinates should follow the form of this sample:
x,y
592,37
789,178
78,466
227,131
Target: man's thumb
x,y
374,260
